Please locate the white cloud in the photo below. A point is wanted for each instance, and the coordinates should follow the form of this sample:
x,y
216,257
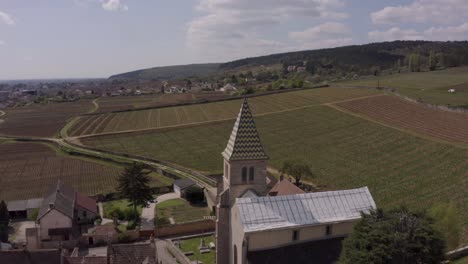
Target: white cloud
x,y
423,11
447,33
113,5
236,28
326,35
6,18
395,33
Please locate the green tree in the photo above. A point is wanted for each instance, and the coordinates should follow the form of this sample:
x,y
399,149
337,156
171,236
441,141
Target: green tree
x,y
4,222
447,222
414,63
432,61
297,169
398,236
134,185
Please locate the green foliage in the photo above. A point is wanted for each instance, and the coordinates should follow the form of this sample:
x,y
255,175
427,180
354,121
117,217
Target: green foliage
x,y
134,185
447,222
398,236
432,61
194,194
123,238
414,63
169,72
162,221
4,222
131,225
296,168
32,216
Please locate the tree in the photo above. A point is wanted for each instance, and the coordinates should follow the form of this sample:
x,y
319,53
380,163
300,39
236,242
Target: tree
x,y
134,185
414,63
296,169
432,61
194,194
4,222
398,236
447,222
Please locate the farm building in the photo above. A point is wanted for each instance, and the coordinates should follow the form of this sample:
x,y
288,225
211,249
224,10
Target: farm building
x,y
181,185
288,226
64,214
21,209
228,88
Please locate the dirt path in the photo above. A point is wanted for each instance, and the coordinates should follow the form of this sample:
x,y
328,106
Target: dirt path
x,y
96,106
2,113
224,119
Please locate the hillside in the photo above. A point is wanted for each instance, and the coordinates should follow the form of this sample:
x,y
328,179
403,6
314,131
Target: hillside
x,y
335,62
170,72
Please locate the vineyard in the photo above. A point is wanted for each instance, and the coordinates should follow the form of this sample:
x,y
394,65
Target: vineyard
x,y
412,116
27,170
108,104
41,120
431,87
343,151
183,115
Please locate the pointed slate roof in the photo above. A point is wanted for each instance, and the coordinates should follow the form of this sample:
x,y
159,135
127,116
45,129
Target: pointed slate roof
x,y
244,143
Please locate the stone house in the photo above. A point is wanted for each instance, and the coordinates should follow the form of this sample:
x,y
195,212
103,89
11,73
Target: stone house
x,y
288,226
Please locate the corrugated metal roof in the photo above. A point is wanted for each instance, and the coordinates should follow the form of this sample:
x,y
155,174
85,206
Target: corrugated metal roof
x,y
23,205
273,212
244,143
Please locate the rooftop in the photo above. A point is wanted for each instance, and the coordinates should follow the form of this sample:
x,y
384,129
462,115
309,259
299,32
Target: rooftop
x,y
284,187
184,183
244,143
275,212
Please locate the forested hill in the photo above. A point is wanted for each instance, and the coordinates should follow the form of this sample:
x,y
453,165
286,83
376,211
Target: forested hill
x,y
356,59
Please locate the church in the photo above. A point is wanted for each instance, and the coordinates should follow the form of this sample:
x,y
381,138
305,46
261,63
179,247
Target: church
x,y
257,225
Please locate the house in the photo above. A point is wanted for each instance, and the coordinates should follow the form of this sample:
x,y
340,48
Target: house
x,y
288,226
291,68
65,214
228,88
101,234
21,209
19,256
301,69
451,90
181,185
284,187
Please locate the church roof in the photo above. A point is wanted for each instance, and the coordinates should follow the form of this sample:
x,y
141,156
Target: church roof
x,y
244,143
284,187
290,211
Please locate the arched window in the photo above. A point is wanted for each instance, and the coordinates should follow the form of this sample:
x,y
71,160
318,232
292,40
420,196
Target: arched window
x,y
235,254
244,174
251,174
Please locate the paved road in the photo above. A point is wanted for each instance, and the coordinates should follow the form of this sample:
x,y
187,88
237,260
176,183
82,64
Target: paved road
x,y
163,254
147,214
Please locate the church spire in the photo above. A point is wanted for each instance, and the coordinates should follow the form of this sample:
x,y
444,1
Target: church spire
x,y
244,143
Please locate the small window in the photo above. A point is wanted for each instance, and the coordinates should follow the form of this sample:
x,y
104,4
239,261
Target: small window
x,y
251,174
295,235
244,174
328,230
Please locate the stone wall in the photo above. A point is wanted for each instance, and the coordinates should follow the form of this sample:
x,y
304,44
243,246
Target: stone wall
x,y
189,228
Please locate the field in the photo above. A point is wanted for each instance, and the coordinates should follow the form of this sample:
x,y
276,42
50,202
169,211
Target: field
x,y
183,115
27,170
431,87
343,151
108,104
414,117
41,120
181,211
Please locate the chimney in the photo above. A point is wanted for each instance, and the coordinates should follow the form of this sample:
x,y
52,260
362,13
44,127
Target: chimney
x,y
51,206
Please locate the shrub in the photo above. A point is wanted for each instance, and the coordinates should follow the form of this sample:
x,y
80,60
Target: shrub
x,y
129,214
131,225
161,221
33,215
123,238
115,212
98,221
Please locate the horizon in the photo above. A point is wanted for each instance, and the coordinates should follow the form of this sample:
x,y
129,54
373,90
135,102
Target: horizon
x,y
100,38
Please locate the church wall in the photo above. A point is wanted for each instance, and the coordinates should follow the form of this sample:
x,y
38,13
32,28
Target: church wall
x,y
277,238
237,235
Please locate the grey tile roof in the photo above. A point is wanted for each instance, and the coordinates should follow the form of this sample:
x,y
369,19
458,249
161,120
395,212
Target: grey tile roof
x,y
273,212
184,183
62,197
22,205
244,143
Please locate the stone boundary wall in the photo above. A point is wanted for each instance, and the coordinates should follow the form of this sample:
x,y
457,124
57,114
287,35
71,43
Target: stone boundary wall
x,y
196,227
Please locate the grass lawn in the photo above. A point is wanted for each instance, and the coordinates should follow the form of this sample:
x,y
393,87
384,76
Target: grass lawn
x,y
181,211
430,86
121,204
193,244
343,151
461,261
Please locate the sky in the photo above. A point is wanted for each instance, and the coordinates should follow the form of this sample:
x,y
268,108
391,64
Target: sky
x,y
98,38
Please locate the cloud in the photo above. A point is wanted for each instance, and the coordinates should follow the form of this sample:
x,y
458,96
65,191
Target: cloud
x,y
326,35
440,33
238,28
395,33
2,42
6,18
113,5
423,11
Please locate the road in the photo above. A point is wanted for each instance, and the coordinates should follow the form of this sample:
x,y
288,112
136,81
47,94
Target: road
x,y
148,213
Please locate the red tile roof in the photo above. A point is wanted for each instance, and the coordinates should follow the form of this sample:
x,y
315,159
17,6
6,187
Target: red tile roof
x,y
284,187
86,202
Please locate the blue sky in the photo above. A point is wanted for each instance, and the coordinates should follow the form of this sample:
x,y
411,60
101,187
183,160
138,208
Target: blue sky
x,y
97,38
